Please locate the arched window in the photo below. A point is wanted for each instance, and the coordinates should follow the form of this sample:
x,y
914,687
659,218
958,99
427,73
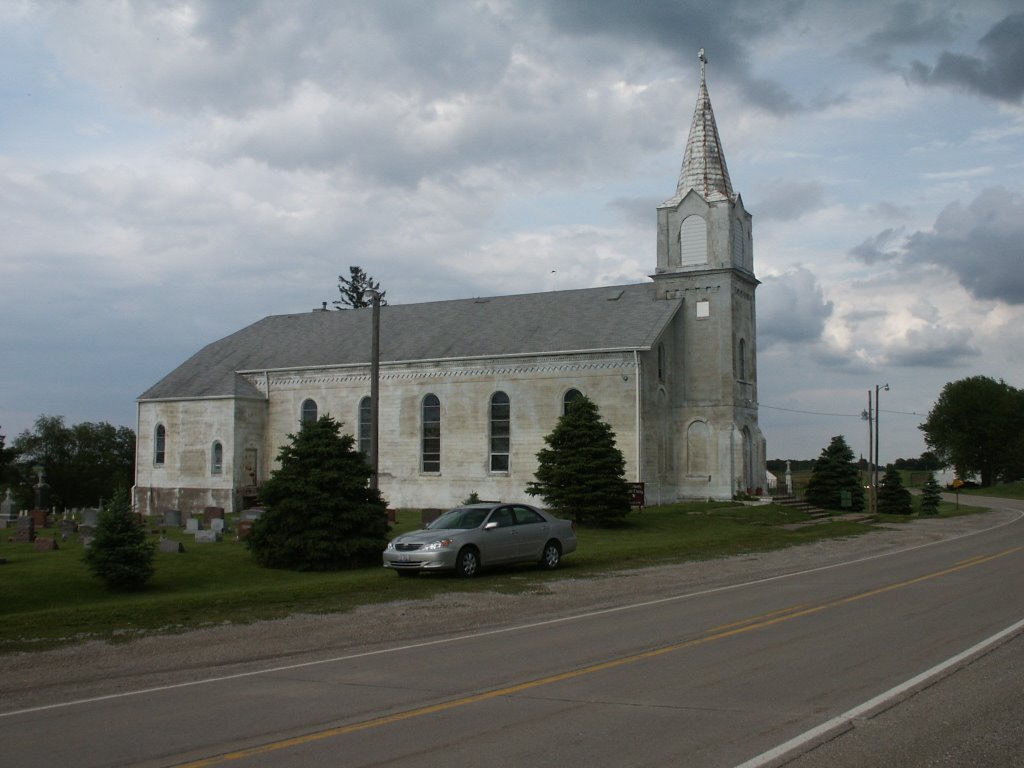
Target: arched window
x,y
693,241
661,362
216,458
365,417
431,445
737,245
698,449
742,361
309,409
159,444
501,434
568,397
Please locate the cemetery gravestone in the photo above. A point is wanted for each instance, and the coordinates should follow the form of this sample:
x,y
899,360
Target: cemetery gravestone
x,y
24,530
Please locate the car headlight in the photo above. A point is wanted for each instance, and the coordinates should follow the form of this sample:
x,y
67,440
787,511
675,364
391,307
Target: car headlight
x,y
390,547
439,544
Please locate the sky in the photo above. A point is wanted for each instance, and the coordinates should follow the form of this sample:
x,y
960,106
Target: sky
x,y
171,172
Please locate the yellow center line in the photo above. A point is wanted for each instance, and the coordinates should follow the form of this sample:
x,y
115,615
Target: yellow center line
x,y
753,619
727,631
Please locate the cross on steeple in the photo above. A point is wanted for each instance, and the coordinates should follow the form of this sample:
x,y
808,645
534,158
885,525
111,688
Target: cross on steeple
x,y
703,59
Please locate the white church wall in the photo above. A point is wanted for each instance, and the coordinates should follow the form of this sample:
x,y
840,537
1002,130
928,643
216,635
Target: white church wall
x,y
185,479
536,388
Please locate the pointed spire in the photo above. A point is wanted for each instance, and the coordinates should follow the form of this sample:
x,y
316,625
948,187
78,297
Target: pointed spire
x,y
704,161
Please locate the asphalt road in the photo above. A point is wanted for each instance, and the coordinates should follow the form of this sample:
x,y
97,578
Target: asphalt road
x,y
870,662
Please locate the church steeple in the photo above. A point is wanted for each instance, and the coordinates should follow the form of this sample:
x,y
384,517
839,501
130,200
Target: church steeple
x,y
704,167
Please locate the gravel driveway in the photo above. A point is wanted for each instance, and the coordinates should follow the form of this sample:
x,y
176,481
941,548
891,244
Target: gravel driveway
x,y
96,669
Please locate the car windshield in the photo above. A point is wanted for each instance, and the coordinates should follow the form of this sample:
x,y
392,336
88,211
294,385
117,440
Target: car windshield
x,y
459,519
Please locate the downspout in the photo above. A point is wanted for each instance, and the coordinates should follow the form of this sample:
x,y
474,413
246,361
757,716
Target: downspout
x,y
639,455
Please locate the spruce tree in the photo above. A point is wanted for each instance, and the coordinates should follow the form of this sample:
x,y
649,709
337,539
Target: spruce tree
x,y
581,474
354,290
931,495
893,498
321,513
120,553
834,472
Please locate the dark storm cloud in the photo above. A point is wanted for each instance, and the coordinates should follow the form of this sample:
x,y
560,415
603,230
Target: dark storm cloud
x,y
912,23
982,244
724,29
791,307
997,71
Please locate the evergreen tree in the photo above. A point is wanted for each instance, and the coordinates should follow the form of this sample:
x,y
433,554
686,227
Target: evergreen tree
x,y
353,289
120,553
321,513
931,495
893,498
834,472
581,474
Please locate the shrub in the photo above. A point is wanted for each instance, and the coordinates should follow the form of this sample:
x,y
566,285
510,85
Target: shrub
x,y
120,553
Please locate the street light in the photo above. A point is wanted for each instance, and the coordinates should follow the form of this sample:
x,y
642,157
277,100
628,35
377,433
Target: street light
x,y
878,410
374,386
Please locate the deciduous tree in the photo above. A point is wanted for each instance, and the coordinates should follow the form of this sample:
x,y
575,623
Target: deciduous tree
x,y
321,513
83,463
581,474
977,427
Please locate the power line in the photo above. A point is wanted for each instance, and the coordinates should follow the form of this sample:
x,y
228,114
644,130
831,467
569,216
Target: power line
x,y
843,415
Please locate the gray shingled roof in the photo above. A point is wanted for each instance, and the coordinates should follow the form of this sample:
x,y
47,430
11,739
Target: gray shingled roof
x,y
620,317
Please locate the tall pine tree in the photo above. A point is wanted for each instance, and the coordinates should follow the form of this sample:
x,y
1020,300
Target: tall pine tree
x,y
321,513
931,495
833,473
581,474
353,289
893,498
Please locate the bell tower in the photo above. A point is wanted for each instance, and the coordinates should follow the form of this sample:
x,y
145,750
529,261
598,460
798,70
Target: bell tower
x,y
705,258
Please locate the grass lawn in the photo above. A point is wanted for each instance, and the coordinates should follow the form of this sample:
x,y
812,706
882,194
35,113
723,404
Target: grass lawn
x,y
1013,490
50,599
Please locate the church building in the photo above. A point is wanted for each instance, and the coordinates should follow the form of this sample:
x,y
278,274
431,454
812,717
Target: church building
x,y
468,389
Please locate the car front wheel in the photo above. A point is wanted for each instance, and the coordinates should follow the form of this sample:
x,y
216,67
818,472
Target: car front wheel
x,y
551,556
467,563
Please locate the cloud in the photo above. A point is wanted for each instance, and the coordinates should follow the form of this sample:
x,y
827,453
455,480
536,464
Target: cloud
x,y
872,250
932,346
997,71
678,28
907,24
791,308
790,199
982,244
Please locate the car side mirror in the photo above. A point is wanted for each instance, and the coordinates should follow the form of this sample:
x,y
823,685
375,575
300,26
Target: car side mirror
x,y
490,525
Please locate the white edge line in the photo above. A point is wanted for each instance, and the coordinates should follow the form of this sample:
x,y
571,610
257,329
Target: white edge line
x,y
841,720
499,631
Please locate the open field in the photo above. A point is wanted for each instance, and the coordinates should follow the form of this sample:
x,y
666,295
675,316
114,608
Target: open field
x,y
50,599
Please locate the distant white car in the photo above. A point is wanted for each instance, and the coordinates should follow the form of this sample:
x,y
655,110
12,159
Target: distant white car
x,y
469,538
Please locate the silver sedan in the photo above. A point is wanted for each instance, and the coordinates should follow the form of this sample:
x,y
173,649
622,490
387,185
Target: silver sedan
x,y
468,538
